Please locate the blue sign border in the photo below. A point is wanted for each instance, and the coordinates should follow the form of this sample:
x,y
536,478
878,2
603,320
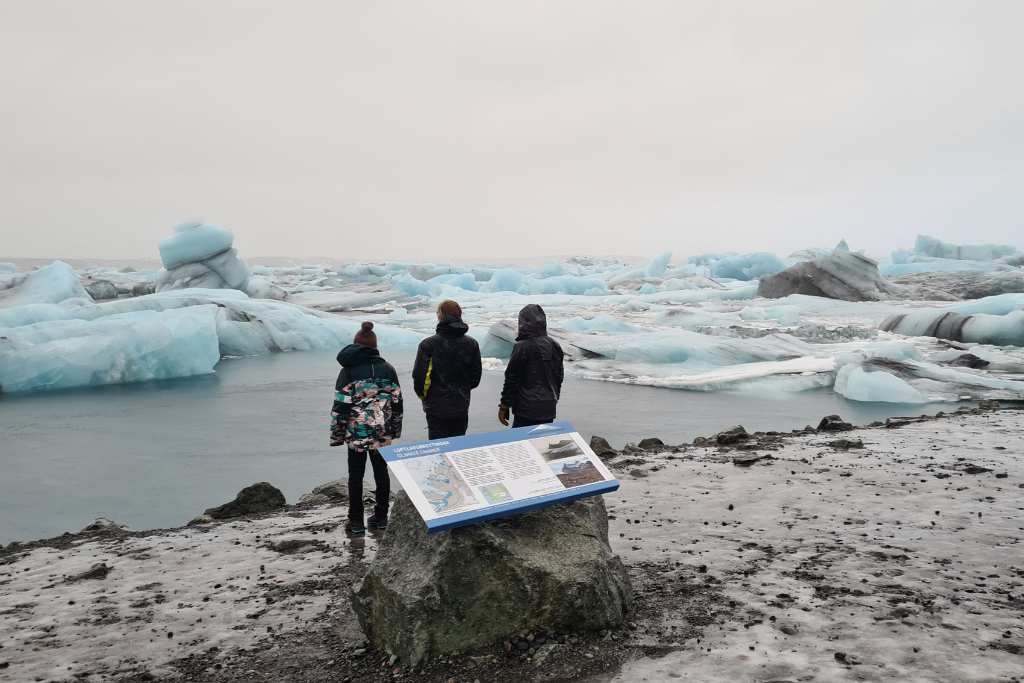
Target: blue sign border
x,y
458,443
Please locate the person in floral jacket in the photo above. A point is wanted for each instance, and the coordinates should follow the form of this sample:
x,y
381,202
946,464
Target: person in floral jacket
x,y
367,415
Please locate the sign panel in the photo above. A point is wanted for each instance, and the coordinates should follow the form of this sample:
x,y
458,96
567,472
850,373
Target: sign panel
x,y
467,479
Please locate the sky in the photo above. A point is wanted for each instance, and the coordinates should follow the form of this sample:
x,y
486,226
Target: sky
x,y
477,129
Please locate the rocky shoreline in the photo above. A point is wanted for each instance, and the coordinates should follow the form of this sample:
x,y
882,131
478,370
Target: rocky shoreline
x,y
891,551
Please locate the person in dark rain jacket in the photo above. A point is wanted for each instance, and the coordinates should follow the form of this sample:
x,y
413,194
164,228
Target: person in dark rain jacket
x,y
447,369
367,415
533,377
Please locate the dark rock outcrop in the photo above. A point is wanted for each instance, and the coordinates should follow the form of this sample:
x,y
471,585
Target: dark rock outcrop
x,y
969,360
329,493
651,443
602,448
101,290
260,497
731,436
834,423
455,591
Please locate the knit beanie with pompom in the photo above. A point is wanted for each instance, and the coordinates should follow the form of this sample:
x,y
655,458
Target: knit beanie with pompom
x,y
365,336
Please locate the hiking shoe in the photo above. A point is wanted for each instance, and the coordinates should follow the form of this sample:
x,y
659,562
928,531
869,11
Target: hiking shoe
x,y
375,522
353,530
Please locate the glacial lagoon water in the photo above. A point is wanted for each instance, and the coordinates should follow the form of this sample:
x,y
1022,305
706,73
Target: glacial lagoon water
x,y
156,454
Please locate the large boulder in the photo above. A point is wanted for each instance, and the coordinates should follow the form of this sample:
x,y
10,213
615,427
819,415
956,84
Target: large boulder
x,y
549,569
255,499
840,275
329,493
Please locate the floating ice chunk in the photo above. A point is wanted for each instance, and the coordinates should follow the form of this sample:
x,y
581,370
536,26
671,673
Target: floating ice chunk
x,y
840,275
53,284
128,347
699,351
786,315
980,328
260,287
658,265
504,280
747,266
6,267
599,323
200,256
1001,304
732,375
244,326
856,384
930,265
192,242
930,246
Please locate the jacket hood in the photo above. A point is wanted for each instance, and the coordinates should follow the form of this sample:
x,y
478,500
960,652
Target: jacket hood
x,y
452,327
532,322
357,354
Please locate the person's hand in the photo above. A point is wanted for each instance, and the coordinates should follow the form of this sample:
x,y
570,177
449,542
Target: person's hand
x,y
503,414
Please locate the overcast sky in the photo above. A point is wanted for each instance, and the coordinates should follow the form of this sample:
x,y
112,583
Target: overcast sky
x,y
427,130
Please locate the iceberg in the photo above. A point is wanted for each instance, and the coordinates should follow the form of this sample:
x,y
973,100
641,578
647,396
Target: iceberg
x,y
840,275
201,256
51,284
936,248
658,265
857,384
154,336
193,242
127,347
747,266
6,267
996,320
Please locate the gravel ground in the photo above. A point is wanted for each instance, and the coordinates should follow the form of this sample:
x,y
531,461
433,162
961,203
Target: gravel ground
x,y
775,558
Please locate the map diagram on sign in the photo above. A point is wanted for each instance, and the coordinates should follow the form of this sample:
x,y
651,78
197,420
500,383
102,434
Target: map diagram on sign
x,y
440,484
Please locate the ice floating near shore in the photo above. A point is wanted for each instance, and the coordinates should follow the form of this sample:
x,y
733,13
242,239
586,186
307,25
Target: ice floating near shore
x,y
50,284
126,347
695,324
997,320
171,334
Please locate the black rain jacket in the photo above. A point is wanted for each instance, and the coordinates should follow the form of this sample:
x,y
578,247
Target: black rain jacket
x,y
447,369
533,377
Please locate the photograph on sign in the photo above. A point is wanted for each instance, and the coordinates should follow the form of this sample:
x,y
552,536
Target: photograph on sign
x,y
467,479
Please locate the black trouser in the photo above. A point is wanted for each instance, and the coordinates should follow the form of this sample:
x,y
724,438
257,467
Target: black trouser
x,y
441,427
356,470
518,421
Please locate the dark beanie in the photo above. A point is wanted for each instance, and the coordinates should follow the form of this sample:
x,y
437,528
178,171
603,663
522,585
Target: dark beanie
x,y
365,336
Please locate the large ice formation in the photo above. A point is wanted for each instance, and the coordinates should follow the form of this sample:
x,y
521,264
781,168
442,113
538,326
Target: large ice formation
x,y
170,334
840,275
50,284
936,248
1004,329
198,255
127,347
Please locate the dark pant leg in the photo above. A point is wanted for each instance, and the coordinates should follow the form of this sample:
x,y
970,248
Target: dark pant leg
x,y
383,482
440,428
356,470
528,422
